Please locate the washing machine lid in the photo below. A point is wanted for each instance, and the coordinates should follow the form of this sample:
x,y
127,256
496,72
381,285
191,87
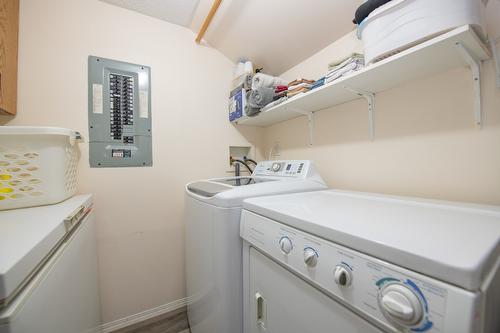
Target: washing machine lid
x,y
28,236
453,242
207,189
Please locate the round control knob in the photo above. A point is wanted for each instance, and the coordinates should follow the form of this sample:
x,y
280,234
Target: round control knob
x,y
276,167
401,305
286,245
310,257
343,276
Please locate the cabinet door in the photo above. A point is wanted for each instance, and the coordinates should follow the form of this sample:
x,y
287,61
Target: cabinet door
x,y
9,31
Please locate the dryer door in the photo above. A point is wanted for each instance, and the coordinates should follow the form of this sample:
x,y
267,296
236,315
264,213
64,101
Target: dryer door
x,y
280,302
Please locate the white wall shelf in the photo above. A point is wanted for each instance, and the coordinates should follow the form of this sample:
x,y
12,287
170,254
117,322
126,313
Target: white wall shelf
x,y
460,47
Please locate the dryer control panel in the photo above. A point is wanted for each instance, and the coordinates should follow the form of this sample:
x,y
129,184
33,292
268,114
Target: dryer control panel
x,y
395,298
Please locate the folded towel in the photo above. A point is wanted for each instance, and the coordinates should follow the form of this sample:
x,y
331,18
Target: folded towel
x,y
300,85
249,110
281,87
299,81
339,72
296,92
352,57
345,72
261,80
351,64
318,83
272,104
278,90
258,98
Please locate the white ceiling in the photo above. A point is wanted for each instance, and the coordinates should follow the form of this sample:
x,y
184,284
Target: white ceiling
x,y
174,11
274,34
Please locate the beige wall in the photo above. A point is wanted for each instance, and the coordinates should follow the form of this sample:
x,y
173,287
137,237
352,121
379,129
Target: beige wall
x,y
139,210
426,143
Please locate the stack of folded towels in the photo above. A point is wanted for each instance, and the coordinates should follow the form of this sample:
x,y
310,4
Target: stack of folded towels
x,y
266,89
294,88
344,67
299,86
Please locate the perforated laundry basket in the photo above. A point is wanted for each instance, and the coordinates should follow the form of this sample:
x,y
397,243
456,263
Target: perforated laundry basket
x,y
38,165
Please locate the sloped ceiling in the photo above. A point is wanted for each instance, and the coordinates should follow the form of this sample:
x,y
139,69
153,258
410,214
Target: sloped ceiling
x,y
179,12
274,34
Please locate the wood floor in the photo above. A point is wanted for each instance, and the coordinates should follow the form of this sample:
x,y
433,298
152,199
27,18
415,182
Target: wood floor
x,y
173,322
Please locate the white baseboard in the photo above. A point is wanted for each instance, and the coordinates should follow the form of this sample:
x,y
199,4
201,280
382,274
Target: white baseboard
x,y
144,315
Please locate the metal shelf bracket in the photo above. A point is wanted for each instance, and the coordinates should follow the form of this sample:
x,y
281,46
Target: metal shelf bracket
x,y
475,67
370,98
310,121
496,57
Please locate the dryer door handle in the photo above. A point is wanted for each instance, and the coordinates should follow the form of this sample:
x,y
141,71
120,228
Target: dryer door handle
x,y
261,310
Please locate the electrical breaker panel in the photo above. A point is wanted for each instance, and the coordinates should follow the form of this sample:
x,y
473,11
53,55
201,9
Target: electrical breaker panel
x,y
119,114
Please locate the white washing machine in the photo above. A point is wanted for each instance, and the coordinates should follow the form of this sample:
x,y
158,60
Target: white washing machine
x,y
213,245
48,269
334,261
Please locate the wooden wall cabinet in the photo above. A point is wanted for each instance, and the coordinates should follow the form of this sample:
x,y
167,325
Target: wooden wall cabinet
x,y
9,35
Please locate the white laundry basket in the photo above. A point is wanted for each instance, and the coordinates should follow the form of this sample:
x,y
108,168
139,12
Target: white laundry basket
x,y
400,24
37,165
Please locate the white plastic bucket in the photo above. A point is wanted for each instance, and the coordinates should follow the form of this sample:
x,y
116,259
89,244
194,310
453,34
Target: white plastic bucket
x,y
401,24
38,165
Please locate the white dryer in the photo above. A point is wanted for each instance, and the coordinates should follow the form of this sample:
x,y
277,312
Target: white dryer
x,y
335,261
213,245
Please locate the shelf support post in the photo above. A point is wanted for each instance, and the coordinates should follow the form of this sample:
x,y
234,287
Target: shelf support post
x,y
310,123
370,98
475,67
496,57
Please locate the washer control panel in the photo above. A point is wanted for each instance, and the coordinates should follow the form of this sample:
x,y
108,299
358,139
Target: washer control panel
x,y
392,297
298,169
